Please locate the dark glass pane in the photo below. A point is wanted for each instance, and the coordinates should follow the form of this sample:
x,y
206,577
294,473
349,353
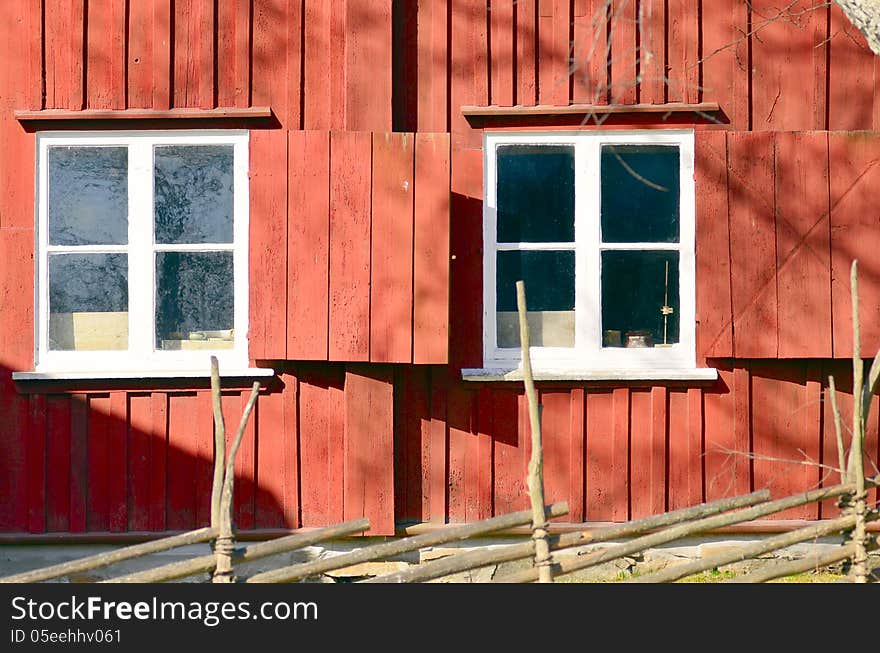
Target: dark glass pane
x,y
194,300
88,301
193,194
549,284
88,195
535,194
640,186
634,293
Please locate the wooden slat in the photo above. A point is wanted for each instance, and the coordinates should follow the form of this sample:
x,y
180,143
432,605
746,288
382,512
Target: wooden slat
x,y
314,449
193,53
743,436
268,245
105,80
854,173
36,465
79,424
219,115
368,65
432,67
58,463
812,474
526,83
350,180
117,482
204,467
270,456
726,75
233,53
369,416
16,281
163,66
851,101
683,62
459,411
412,415
508,485
140,61
318,54
308,263
431,250
245,469
652,52
272,63
753,244
802,245
576,466
679,454
64,27
600,497
158,460
183,451
140,428
436,448
713,287
589,68
557,442
290,452
554,47
98,472
623,54
391,250
787,65
720,472
502,57
642,453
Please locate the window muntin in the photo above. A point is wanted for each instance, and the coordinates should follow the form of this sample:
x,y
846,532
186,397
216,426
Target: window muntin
x,y
610,281
142,250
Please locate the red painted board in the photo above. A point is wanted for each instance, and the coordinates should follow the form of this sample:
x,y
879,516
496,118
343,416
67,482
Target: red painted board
x,y
291,455
467,83
117,446
554,51
98,471
14,457
36,464
620,455
308,262
318,71
803,250
140,428
509,483
163,40
652,52
194,26
268,244
314,449
502,56
526,83
350,181
460,438
589,77
79,451
413,414
855,174
557,443
647,452
140,54
158,460
233,53
433,66
391,248
270,76
435,451
721,468
64,26
752,244
245,469
58,463
204,467
725,54
336,443
368,65
270,456
683,58
576,461
623,78
713,287
431,250
788,68
183,451
369,467
600,488
679,453
482,458
105,79
812,474
851,76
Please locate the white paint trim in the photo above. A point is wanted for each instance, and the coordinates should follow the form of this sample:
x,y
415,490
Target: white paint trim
x,y
547,374
588,353
141,355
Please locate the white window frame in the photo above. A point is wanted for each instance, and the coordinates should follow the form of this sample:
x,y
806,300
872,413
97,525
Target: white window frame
x,y
588,353
141,354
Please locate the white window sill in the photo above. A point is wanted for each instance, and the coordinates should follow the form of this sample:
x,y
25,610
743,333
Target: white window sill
x,y
516,374
251,372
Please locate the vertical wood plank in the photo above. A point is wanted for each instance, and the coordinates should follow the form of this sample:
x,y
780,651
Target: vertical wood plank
x,y
679,463
854,177
318,47
308,264
753,244
600,497
623,80
620,453
502,55
194,81
432,67
117,445
590,52
245,469
336,444
37,448
140,62
641,451
526,82
163,66
106,55
158,460
803,245
291,454
436,445
554,48
274,60
368,65
58,461
577,430
204,468
350,180
726,74
369,417
314,449
270,455
720,405
508,484
391,249
683,65
652,52
140,428
812,435
65,28
460,439
79,464
233,53
431,250
268,245
557,443
183,451
713,287
97,502
851,64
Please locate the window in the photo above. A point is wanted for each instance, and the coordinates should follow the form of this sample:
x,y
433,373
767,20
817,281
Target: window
x,y
142,250
600,227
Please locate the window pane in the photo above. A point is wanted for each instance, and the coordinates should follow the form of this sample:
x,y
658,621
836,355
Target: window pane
x,y
194,300
88,195
549,283
535,194
634,293
193,194
88,301
640,186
